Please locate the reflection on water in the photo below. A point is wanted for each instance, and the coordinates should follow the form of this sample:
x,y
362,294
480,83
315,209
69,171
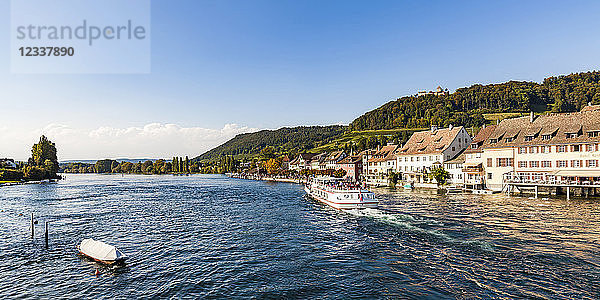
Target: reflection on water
x,y
210,236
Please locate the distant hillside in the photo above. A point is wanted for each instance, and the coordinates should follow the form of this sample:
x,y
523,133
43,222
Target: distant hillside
x,y
467,105
290,140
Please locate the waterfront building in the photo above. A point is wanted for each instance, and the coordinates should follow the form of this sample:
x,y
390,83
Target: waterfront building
x,y
557,148
427,150
301,162
352,165
318,162
333,159
365,156
473,167
455,170
285,162
381,163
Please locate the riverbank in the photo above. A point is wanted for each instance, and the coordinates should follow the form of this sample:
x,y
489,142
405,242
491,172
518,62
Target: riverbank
x,y
297,180
10,183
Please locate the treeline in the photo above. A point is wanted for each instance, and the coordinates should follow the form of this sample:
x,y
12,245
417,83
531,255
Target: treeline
x,y
176,166
467,105
284,140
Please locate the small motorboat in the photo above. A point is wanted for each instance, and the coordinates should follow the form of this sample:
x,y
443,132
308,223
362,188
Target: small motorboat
x,y
101,252
408,186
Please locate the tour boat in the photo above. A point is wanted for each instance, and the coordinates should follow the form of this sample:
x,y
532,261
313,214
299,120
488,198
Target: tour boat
x,y
101,252
340,194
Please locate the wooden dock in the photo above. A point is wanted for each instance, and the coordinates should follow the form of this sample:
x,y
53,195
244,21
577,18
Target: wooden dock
x,y
552,188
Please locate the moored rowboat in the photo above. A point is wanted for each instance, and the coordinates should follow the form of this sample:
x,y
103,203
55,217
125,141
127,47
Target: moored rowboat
x,y
100,251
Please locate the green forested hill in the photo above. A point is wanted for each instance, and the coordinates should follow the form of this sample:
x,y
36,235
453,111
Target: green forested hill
x,y
284,140
467,105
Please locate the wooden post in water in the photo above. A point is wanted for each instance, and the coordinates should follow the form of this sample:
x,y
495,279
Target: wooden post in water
x,y
32,228
568,193
46,234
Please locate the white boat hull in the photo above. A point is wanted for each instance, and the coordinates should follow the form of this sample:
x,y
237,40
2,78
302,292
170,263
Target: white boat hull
x,y
345,200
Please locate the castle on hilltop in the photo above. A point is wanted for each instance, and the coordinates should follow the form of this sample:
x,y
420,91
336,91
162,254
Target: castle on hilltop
x,y
438,92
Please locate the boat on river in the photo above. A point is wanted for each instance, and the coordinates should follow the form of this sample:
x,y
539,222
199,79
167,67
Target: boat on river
x,y
101,252
340,194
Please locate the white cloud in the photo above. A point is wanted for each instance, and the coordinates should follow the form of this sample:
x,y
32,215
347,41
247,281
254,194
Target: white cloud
x,y
153,140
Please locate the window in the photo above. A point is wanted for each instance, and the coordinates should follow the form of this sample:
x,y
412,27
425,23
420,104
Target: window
x,y
542,149
591,163
528,138
589,148
593,133
546,137
546,164
561,163
533,149
576,164
489,162
561,148
572,135
522,150
473,146
509,140
493,141
575,148
534,164
453,148
522,164
504,162
489,175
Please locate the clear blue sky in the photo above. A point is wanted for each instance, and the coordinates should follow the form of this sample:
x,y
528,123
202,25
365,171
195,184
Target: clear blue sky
x,y
268,64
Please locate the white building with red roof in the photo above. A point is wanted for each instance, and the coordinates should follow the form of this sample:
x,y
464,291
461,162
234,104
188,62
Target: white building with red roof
x,y
427,150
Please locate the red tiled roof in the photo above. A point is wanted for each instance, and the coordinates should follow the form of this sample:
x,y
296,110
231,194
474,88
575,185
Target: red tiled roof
x,y
554,126
430,141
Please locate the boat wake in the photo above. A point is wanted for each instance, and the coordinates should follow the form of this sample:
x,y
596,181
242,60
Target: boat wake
x,y
417,226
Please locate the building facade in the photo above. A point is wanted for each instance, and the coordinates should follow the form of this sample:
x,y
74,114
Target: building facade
x,y
473,167
380,164
552,147
352,165
426,150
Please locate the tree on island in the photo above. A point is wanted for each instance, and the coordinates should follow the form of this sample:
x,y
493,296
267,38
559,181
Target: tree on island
x,y
43,163
43,154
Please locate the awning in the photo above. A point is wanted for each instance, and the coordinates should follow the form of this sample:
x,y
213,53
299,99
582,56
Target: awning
x,y
577,173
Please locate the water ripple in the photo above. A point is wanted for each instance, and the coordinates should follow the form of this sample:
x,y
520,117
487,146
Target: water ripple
x,y
214,237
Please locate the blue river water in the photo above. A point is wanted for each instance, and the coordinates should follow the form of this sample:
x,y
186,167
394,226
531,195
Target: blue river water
x,y
211,236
